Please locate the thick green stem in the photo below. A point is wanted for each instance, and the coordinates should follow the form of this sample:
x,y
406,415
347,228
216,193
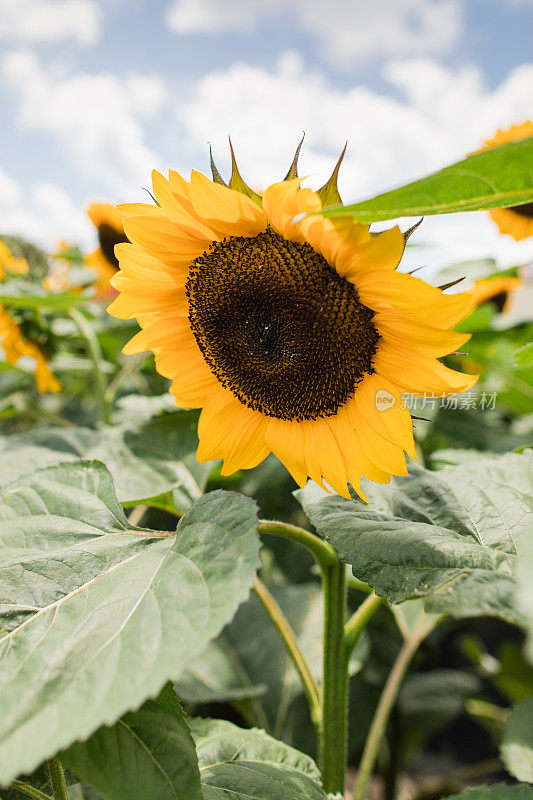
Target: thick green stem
x,y
357,622
384,708
29,791
322,551
334,718
94,351
291,644
57,779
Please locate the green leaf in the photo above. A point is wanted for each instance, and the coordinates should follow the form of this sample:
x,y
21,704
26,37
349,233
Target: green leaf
x,y
495,178
430,700
95,616
501,791
517,742
524,355
146,458
155,751
237,764
19,293
524,593
451,536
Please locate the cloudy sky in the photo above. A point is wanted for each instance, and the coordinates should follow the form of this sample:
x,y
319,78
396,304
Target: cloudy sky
x,y
96,93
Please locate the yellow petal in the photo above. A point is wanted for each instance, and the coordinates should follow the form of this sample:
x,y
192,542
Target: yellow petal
x,y
396,329
384,291
284,201
226,210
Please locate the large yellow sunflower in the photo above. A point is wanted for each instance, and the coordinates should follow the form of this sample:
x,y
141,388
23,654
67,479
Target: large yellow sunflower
x,y
516,221
13,342
108,223
293,338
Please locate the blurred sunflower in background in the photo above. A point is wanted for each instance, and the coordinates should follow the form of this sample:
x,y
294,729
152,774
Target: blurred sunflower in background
x,y
294,337
108,223
20,335
516,221
497,290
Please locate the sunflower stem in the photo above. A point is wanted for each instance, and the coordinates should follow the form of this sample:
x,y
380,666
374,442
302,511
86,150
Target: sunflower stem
x,y
359,619
95,353
29,791
291,644
57,779
322,551
333,729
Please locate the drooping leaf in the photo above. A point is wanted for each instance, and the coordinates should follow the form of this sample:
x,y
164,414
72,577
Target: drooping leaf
x,y
517,742
501,791
156,753
95,615
147,457
452,536
237,764
495,178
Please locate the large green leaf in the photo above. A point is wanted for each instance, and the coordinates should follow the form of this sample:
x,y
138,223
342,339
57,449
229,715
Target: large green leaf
x,y
238,764
96,615
495,178
452,536
501,791
517,742
155,751
147,457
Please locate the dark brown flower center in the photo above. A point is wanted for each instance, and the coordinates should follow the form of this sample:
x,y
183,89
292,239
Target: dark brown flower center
x,y
108,237
279,327
524,211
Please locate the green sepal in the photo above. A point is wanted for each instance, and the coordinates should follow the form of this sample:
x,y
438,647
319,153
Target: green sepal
x,y
293,170
329,193
236,182
217,177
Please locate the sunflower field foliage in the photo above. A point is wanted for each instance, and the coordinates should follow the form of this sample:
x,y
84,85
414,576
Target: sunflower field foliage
x,y
266,498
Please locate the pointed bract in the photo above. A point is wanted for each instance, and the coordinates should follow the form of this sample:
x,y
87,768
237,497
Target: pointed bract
x,y
217,177
409,232
236,182
329,193
293,170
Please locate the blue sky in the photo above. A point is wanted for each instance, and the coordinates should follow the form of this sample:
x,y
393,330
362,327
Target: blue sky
x,y
95,93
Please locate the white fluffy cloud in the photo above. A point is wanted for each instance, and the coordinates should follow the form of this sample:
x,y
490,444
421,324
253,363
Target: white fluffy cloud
x,y
347,31
44,213
45,21
441,116
97,117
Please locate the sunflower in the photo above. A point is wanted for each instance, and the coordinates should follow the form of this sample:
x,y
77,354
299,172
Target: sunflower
x,y
108,222
12,339
294,337
496,290
516,221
